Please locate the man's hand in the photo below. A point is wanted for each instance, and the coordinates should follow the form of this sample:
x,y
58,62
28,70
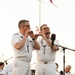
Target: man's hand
x,y
55,48
43,35
27,33
31,34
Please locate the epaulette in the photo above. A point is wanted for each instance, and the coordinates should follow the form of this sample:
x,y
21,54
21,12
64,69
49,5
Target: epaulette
x,y
30,41
21,36
18,34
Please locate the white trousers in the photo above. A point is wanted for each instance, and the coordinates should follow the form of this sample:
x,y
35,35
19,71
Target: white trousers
x,y
21,68
45,69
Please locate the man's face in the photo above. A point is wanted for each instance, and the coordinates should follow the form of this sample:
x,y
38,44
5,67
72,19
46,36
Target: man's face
x,y
25,26
46,30
67,69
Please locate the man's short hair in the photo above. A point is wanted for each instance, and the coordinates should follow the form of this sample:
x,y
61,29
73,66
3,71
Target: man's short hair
x,y
1,63
68,66
42,26
21,22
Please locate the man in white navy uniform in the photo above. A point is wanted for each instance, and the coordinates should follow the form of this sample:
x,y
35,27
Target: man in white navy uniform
x,y
46,55
23,44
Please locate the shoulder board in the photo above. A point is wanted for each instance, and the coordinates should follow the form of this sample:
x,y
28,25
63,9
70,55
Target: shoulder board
x,y
18,34
30,41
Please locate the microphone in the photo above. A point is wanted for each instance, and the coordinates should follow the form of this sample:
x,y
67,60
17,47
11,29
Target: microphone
x,y
53,37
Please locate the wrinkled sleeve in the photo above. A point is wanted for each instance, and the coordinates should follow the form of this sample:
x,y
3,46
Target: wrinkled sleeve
x,y
56,42
15,39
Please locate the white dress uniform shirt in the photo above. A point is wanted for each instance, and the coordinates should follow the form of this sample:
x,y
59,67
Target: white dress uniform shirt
x,y
45,53
57,73
7,70
24,53
68,73
1,72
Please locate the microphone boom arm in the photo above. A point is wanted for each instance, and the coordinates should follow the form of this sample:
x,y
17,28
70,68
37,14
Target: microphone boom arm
x,y
66,48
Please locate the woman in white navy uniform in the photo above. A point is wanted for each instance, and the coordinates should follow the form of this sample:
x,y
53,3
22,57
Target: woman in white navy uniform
x,y
23,44
46,55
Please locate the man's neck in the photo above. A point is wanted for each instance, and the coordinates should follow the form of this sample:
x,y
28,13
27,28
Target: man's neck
x,y
22,33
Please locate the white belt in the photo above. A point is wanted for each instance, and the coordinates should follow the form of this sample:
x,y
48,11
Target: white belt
x,y
48,62
21,59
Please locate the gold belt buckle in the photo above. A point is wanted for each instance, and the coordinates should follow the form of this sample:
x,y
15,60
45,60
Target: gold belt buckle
x,y
45,62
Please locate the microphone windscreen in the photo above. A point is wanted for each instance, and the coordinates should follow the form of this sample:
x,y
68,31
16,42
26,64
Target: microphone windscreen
x,y
53,37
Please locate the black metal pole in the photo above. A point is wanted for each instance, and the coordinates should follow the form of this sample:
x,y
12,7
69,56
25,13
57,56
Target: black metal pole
x,y
63,48
63,60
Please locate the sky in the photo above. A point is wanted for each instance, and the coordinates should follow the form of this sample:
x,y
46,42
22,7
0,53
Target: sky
x,y
60,19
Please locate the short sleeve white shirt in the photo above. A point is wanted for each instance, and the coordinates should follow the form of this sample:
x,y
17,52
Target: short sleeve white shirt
x,y
68,73
7,70
49,54
1,72
25,53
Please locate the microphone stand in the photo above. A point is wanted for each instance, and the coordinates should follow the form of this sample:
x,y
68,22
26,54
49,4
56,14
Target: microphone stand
x,y
63,48
7,60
